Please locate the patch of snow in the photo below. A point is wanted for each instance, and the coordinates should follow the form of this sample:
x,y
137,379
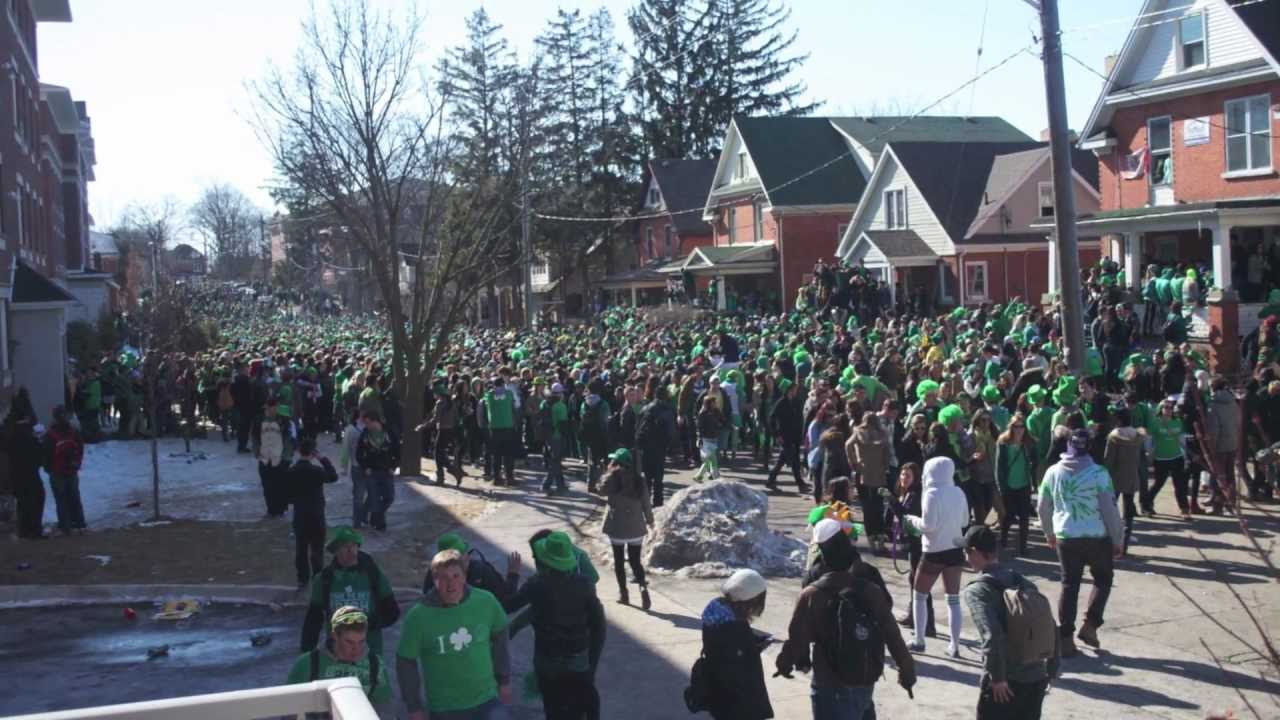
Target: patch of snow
x,y
103,560
712,529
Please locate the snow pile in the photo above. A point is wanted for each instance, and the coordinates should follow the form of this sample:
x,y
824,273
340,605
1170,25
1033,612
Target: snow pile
x,y
712,529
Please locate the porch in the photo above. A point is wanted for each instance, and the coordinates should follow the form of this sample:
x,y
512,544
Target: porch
x,y
914,272
736,276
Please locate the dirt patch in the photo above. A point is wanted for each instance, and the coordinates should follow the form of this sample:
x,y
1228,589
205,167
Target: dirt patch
x,y
209,552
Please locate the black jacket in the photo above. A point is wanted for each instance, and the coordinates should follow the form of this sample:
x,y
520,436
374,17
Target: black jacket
x,y
735,671
382,456
566,615
656,428
306,481
785,419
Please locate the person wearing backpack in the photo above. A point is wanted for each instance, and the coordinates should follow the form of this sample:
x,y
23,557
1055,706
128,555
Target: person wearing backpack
x,y
64,451
655,433
353,579
1018,636
728,678
346,655
848,621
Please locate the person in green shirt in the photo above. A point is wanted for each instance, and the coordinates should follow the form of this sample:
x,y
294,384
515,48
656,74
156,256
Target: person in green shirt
x,y
1039,423
993,400
346,655
455,642
1166,440
351,579
1015,469
555,414
499,409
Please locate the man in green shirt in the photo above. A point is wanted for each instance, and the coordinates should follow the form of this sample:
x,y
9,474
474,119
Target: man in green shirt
x,y
499,409
351,579
455,643
556,416
346,656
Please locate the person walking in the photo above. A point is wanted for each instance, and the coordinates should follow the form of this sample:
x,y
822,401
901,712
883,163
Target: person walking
x,y
1123,455
787,424
1224,438
1015,471
63,453
305,482
869,451
1080,521
444,424
352,579
346,654
348,465
568,629
1166,439
24,455
710,423
378,452
656,433
277,439
944,513
454,640
1016,668
627,520
499,408
553,420
848,622
731,650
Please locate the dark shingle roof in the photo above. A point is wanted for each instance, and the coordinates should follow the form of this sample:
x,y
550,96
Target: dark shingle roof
x,y
1007,170
1263,20
785,148
900,243
30,286
684,185
876,132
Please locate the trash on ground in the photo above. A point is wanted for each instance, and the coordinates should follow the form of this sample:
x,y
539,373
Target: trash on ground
x,y
155,523
178,610
158,651
130,614
260,639
103,560
133,504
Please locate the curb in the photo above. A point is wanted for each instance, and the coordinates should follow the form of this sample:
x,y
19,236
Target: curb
x,y
40,596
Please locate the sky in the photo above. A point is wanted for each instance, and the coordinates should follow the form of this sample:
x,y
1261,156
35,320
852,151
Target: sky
x,y
166,82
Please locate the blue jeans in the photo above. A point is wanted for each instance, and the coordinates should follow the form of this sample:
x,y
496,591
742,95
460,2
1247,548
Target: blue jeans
x,y
382,492
361,495
843,703
66,495
492,710
554,457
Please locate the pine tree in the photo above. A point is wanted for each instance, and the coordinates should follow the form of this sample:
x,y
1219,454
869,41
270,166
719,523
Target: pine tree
x,y
475,77
672,44
752,71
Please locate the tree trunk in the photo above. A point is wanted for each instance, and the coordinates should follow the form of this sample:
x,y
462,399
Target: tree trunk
x,y
411,412
155,463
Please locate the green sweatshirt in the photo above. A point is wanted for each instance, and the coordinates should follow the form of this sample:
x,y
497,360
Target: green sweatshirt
x,y
331,667
500,411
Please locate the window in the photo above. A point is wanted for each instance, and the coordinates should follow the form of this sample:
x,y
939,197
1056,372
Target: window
x,y
667,241
1044,191
757,222
728,220
841,229
741,171
1160,146
975,280
895,209
1191,41
648,241
1248,133
654,197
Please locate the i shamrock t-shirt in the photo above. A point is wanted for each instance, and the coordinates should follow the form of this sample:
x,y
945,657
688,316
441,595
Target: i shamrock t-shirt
x,y
452,647
331,667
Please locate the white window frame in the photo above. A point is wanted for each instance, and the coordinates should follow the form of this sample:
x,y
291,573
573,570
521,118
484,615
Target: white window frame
x,y
841,229
1040,206
757,221
1204,40
668,240
971,295
654,197
742,170
1151,172
730,222
895,211
1250,168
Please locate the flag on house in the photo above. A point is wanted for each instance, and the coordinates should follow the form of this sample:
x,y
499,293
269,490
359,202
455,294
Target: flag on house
x,y
1135,163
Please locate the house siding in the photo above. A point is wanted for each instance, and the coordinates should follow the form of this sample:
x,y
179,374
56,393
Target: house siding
x,y
1227,41
1022,208
919,215
738,212
682,245
1197,170
805,240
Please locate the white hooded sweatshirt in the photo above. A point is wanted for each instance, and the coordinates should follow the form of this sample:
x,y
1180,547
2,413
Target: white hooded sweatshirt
x,y
944,508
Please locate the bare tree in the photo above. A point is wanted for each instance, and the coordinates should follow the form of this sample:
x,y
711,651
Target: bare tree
x,y
354,125
225,217
154,226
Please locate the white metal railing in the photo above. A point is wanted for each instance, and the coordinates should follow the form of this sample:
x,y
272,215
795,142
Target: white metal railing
x,y
343,699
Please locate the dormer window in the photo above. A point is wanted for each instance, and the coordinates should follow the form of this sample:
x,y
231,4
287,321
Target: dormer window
x,y
1191,48
742,171
655,197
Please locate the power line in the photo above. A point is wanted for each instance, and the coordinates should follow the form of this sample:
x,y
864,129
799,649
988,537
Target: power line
x,y
1125,20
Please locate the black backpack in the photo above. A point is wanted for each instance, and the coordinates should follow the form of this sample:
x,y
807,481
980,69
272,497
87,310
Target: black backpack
x,y
697,696
375,667
857,648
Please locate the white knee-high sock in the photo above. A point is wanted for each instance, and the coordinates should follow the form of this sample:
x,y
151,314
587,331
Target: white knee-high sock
x,y
919,613
954,619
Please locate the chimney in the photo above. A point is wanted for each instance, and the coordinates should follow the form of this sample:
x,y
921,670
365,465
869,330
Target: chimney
x,y
1072,135
1109,64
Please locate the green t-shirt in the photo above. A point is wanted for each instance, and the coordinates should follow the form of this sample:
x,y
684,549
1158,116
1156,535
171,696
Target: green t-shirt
x,y
999,417
1017,468
351,587
331,667
452,647
500,411
1040,427
559,418
1166,438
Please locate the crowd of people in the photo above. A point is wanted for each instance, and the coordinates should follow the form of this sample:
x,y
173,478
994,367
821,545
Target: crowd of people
x,y
942,432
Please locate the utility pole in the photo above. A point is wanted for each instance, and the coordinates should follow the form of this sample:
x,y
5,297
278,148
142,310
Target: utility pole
x,y
525,242
1064,198
266,248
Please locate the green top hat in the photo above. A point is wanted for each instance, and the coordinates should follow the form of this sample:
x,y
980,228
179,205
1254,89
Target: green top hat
x,y
556,552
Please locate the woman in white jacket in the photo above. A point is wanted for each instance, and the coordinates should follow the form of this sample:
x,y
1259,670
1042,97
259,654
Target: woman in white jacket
x,y
944,513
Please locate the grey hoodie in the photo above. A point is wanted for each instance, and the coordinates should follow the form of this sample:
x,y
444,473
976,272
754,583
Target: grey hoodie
x,y
1224,422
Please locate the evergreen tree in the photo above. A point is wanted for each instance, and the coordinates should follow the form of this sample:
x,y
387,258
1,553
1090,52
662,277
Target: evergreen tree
x,y
476,77
672,47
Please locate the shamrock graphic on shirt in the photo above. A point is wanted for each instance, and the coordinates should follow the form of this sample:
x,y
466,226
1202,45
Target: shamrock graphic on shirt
x,y
460,638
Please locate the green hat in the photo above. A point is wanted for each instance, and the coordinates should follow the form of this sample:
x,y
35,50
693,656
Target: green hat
x,y
1036,394
342,535
949,413
784,385
991,394
622,456
452,541
1064,395
959,313
925,387
556,552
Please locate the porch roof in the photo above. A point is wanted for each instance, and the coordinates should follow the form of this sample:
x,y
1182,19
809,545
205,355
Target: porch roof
x,y
30,287
648,276
893,247
734,259
1132,217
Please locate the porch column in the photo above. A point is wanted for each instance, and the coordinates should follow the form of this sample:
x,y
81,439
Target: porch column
x,y
722,302
634,302
1221,255
1133,260
1053,264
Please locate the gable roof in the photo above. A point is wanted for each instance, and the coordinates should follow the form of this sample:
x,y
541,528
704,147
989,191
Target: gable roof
x,y
684,185
900,244
1009,172
1263,20
874,133
30,286
801,161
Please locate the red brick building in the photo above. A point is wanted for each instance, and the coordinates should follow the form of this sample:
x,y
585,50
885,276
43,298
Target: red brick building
x,y
1185,132
790,185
